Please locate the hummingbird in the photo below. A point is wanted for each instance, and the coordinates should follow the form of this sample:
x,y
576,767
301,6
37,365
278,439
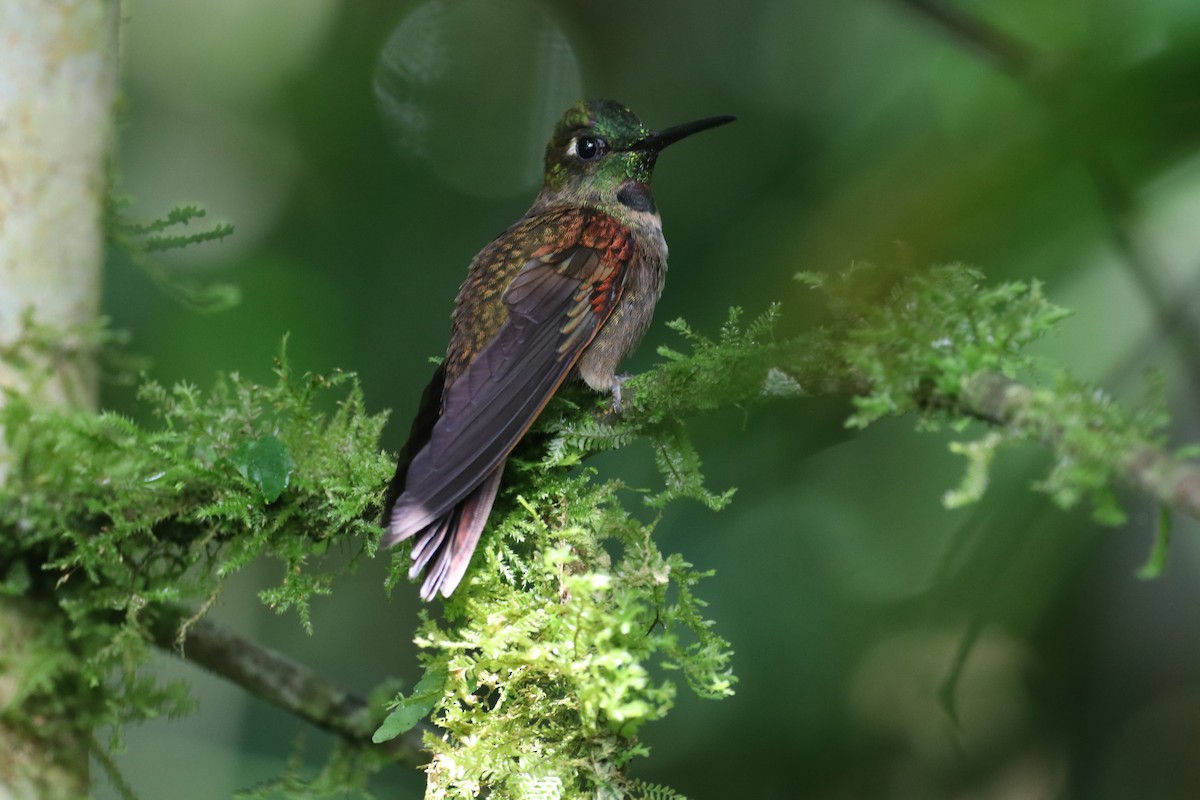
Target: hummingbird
x,y
565,293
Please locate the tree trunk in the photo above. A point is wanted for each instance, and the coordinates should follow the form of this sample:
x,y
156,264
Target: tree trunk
x,y
58,79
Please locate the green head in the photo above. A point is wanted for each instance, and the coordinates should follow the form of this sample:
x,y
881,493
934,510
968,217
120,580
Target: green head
x,y
600,147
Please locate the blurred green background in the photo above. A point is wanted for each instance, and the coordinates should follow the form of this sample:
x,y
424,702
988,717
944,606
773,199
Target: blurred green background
x,y
366,150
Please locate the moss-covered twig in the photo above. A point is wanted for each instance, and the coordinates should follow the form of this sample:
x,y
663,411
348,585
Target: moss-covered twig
x,y
1003,401
939,344
107,523
987,396
549,658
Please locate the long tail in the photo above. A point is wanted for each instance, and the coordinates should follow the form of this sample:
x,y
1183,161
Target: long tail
x,y
446,544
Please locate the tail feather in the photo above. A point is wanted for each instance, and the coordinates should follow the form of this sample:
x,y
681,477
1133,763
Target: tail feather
x,y
446,544
473,516
437,571
428,543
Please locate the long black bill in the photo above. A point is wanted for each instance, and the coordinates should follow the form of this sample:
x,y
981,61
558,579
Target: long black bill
x,y
657,140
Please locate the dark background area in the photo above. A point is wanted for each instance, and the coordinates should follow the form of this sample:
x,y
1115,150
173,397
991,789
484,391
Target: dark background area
x,y
366,150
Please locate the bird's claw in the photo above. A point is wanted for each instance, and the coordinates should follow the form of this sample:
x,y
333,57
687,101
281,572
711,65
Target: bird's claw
x,y
618,382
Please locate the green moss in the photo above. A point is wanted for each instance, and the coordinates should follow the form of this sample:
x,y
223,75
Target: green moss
x,y
569,631
100,518
913,340
559,646
943,344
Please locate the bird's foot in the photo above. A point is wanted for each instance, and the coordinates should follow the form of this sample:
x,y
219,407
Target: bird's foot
x,y
617,398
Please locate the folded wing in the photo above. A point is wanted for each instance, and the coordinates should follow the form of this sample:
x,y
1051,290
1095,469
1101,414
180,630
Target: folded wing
x,y
555,305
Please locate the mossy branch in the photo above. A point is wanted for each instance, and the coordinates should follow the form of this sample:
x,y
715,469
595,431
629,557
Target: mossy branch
x,y
561,642
940,344
1140,463
105,523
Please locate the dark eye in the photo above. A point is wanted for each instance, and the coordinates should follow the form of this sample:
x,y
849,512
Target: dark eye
x,y
588,147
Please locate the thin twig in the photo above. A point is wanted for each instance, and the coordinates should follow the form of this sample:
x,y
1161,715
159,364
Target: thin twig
x,y
1008,53
277,679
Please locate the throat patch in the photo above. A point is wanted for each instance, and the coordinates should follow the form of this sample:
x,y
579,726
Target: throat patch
x,y
636,197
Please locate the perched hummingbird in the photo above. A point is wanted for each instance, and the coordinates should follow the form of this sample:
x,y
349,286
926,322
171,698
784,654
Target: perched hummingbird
x,y
567,291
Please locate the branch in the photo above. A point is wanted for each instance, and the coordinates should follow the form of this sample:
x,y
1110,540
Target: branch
x,y
1002,401
278,680
1007,52
941,342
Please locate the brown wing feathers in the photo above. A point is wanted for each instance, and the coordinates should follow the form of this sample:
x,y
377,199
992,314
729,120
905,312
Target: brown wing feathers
x,y
555,305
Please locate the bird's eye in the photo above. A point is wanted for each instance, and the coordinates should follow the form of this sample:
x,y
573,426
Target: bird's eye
x,y
588,148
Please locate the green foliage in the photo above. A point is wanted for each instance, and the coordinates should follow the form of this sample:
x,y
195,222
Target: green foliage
x,y
1153,568
139,241
715,374
942,342
565,635
653,791
154,240
101,518
679,464
344,777
1092,435
267,464
105,520
406,712
552,653
979,454
921,337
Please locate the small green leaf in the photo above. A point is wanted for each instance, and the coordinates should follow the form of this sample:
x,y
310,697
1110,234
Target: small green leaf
x,y
412,709
267,464
1157,562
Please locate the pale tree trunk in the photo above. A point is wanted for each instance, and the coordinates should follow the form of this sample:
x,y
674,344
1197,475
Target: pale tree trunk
x,y
58,78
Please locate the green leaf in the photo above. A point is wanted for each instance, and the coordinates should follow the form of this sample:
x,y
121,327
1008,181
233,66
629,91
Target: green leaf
x,y
267,464
412,709
1153,568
